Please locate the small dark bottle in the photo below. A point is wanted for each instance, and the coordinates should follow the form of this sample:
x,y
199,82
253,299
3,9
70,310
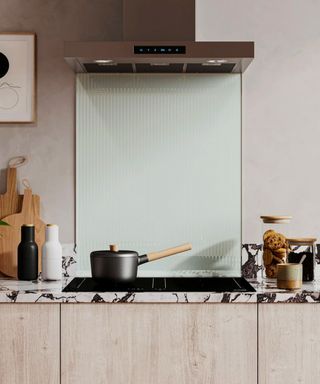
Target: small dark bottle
x,y
27,254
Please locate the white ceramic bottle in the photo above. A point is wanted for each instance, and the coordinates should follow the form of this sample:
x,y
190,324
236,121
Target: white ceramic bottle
x,y
52,254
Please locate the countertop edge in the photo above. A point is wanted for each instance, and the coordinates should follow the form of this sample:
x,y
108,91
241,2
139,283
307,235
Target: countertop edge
x,y
13,291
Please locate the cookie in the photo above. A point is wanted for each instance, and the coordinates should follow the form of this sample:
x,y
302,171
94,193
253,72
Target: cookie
x,y
275,241
268,233
279,260
271,271
281,252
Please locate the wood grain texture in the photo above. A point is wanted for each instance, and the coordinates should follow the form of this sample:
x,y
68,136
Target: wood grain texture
x,y
11,201
169,252
29,344
159,344
10,236
289,344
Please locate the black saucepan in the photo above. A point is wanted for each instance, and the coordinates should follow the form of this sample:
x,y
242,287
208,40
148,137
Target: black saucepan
x,y
121,266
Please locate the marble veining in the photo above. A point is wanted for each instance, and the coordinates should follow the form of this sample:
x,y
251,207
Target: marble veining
x,y
69,261
251,265
299,297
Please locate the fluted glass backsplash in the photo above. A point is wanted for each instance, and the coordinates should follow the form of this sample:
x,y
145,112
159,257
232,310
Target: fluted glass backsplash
x,y
159,164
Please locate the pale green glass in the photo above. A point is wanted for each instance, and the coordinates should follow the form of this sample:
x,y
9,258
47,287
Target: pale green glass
x,y
159,164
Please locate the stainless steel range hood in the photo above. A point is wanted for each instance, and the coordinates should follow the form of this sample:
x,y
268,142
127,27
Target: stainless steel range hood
x,y
158,37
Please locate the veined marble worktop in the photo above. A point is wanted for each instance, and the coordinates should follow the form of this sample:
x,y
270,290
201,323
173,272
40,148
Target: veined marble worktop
x,y
13,291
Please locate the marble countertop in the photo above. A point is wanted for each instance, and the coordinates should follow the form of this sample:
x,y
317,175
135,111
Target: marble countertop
x,y
13,291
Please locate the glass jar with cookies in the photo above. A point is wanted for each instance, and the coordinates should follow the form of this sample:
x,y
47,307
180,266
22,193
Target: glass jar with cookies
x,y
275,246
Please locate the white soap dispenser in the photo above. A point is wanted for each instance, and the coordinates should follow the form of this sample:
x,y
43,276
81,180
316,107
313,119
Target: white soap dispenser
x,y
52,254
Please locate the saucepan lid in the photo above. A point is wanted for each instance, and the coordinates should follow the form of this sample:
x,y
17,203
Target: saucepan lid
x,y
114,251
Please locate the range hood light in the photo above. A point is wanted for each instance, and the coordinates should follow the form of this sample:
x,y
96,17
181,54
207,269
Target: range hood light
x,y
103,61
216,61
159,64
211,63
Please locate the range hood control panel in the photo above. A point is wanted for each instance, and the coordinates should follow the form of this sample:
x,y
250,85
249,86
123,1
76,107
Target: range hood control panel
x,y
159,50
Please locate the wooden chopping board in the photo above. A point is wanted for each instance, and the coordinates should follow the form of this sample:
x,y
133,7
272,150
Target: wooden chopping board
x,y
11,202
10,236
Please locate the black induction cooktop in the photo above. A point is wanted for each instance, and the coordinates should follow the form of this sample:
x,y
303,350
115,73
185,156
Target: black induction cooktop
x,y
167,284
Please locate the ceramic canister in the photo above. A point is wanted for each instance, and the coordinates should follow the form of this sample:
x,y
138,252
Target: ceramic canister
x,y
289,276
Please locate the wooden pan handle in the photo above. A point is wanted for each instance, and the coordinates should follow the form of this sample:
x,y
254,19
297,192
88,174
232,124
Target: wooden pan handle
x,y
168,252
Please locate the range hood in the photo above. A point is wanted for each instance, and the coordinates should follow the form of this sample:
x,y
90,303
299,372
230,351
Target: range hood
x,y
158,37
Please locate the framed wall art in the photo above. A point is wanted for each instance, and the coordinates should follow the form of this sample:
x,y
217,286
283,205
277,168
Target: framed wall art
x,y
17,78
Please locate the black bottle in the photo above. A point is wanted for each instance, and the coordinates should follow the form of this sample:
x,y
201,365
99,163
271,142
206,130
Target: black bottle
x,y
27,254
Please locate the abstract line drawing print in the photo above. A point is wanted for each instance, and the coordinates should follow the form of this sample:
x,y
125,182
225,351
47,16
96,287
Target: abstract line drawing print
x,y
17,78
4,65
9,96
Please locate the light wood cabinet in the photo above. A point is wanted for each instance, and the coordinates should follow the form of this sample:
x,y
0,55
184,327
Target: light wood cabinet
x,y
159,343
29,343
289,343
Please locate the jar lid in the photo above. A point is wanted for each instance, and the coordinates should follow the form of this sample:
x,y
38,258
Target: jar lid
x,y
301,240
27,225
276,219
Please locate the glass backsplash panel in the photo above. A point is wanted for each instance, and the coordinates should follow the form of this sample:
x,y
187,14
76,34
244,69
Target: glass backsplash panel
x,y
159,164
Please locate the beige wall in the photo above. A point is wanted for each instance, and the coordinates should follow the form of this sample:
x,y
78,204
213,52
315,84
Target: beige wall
x,y
281,106
281,101
50,142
